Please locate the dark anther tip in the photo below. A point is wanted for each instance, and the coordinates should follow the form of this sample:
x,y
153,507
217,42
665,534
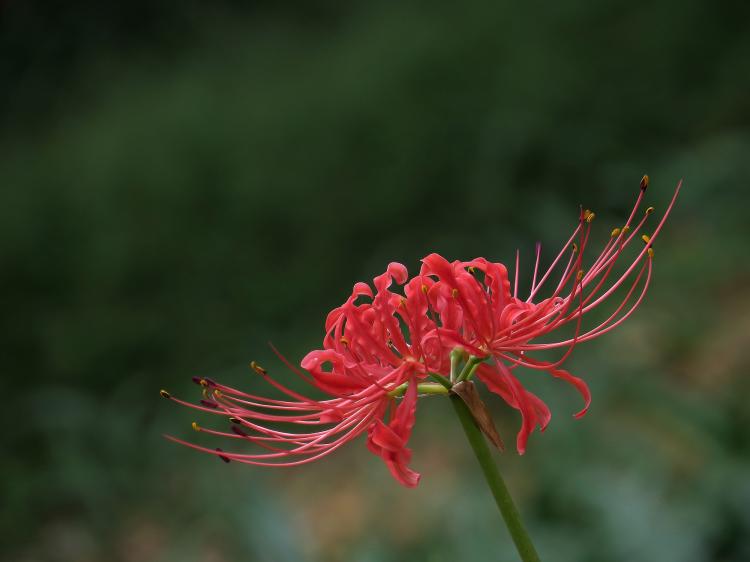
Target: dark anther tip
x,y
258,369
238,431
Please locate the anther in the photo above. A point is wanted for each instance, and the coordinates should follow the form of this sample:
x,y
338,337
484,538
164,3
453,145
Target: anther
x,y
649,210
222,457
239,431
471,269
625,229
454,293
402,301
164,394
575,247
344,340
644,182
257,368
196,427
589,216
218,393
424,289
647,240
615,232
235,420
579,275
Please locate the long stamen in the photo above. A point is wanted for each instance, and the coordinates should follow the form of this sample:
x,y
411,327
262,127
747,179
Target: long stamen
x,y
564,249
641,254
536,267
598,330
250,459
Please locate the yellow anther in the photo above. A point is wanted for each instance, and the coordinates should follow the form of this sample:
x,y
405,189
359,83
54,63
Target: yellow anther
x,y
575,247
625,230
196,427
471,269
590,217
424,289
344,340
649,210
203,382
257,368
579,275
615,232
218,394
647,240
454,293
402,301
165,394
235,420
644,182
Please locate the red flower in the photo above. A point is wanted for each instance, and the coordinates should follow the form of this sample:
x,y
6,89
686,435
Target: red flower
x,y
383,345
481,314
366,361
366,349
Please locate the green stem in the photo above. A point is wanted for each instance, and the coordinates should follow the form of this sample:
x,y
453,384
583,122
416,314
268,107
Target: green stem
x,y
471,366
457,356
422,388
507,508
442,380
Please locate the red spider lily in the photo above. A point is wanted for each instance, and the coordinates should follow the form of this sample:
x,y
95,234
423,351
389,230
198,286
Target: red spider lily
x,y
383,345
496,325
371,361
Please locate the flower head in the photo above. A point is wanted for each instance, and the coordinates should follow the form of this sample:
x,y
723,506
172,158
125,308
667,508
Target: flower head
x,y
366,362
452,322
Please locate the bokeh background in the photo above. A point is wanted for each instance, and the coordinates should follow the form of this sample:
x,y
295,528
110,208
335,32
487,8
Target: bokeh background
x,y
184,181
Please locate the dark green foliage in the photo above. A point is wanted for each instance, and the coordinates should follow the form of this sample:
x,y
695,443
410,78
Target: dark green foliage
x,y
182,184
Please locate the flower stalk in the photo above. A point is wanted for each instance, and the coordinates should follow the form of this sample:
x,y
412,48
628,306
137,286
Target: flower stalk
x,y
422,389
508,509
470,368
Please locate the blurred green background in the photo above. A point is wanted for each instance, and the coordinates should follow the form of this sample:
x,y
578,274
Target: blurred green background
x,y
184,181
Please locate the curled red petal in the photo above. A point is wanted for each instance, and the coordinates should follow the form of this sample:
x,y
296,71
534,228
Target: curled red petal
x,y
360,289
389,441
398,272
500,380
577,383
